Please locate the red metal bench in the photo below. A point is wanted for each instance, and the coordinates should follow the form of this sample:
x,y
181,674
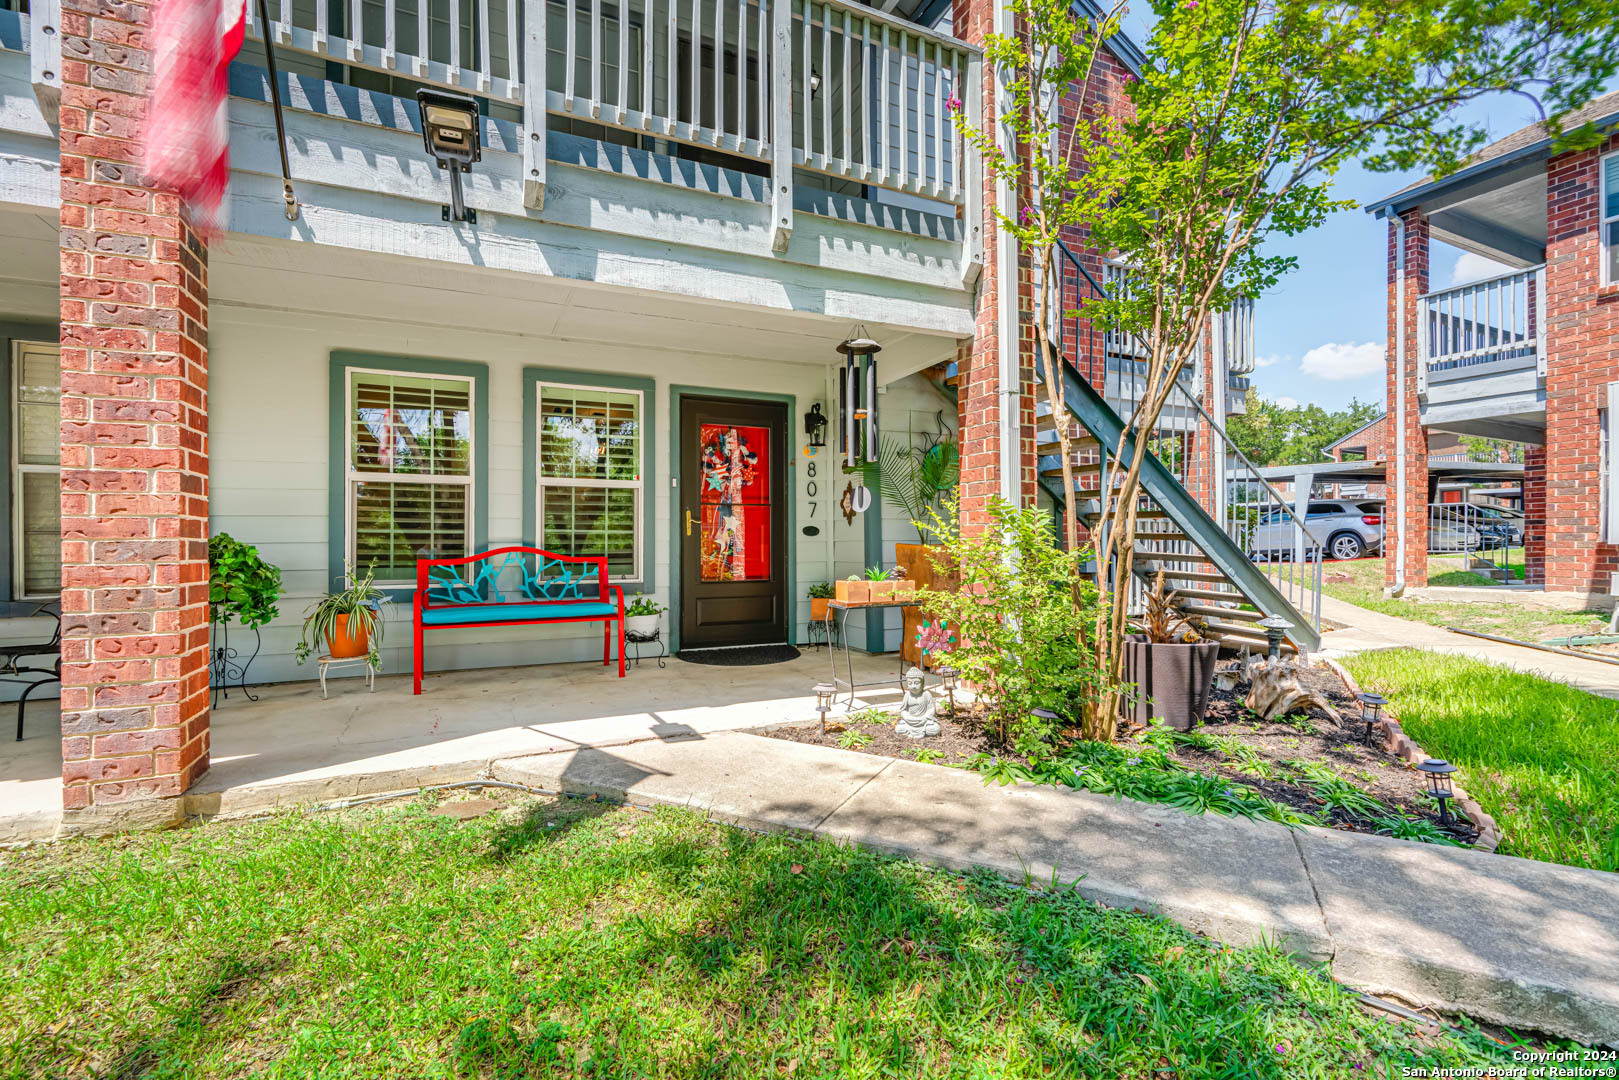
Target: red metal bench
x,y
544,584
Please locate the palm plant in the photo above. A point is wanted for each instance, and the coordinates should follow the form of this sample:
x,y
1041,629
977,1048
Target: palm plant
x,y
916,478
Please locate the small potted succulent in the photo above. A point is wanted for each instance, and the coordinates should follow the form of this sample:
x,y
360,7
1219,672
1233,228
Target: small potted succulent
x,y
881,585
819,594
904,587
641,616
347,622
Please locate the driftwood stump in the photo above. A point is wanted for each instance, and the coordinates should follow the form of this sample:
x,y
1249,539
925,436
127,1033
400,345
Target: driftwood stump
x,y
1274,689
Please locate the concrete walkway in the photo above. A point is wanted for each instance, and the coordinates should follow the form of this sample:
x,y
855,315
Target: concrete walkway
x,y
1520,943
1368,630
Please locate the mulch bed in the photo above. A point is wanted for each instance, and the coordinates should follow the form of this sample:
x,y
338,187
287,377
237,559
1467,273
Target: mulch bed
x,y
1312,737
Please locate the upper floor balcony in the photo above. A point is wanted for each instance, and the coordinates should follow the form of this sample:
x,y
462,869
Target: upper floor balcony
x,y
788,155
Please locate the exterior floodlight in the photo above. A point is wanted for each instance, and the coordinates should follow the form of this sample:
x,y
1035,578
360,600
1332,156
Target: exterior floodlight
x,y
823,701
1371,711
857,395
1275,628
1438,771
815,82
450,132
815,425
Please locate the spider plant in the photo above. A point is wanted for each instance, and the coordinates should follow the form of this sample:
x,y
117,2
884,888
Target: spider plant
x,y
361,602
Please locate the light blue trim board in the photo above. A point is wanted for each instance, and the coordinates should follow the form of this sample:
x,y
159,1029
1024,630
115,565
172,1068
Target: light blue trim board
x,y
337,452
676,392
532,377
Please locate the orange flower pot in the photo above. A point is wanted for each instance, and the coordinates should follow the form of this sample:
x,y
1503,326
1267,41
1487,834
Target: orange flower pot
x,y
853,592
341,646
818,608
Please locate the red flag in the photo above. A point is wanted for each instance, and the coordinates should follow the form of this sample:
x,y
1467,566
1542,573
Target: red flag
x,y
188,131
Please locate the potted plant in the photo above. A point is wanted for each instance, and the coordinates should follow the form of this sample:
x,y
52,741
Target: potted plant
x,y
241,585
347,622
641,616
903,586
819,594
877,579
1170,664
853,590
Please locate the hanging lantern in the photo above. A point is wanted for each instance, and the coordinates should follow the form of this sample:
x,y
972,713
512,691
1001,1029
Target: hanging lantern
x,y
815,425
857,396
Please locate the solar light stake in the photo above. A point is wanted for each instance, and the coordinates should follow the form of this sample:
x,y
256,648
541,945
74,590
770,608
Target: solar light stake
x,y
948,675
823,701
1275,628
1371,711
1438,771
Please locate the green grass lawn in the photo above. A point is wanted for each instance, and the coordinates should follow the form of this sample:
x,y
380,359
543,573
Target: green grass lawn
x,y
574,939
1511,617
1540,757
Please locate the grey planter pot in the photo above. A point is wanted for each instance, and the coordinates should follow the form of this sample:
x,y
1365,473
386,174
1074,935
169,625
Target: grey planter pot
x,y
1174,682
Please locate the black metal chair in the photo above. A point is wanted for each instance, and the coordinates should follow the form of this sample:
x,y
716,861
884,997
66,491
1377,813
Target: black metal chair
x,y
12,671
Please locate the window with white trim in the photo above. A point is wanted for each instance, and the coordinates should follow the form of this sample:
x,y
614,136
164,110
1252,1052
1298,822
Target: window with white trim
x,y
410,470
590,493
36,472
1610,219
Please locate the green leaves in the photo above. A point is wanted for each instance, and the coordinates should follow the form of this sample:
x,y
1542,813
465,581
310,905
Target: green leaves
x,y
241,585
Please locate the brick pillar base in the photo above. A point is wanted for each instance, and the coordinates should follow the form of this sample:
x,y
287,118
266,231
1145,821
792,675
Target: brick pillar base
x,y
1534,515
134,307
1404,384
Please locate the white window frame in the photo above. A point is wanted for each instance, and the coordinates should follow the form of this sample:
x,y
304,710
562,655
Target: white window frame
x,y
541,481
19,469
353,476
1605,220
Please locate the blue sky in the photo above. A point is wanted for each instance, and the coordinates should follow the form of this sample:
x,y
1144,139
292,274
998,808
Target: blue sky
x,y
1320,334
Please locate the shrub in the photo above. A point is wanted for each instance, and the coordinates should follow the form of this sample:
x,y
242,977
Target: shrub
x,y
1018,625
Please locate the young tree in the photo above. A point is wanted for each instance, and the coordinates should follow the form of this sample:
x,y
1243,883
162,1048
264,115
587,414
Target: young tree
x,y
1244,112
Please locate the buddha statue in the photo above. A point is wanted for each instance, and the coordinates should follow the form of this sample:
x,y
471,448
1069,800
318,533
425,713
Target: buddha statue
x,y
917,708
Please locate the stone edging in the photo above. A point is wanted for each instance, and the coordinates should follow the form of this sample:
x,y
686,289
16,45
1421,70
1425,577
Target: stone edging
x,y
1398,743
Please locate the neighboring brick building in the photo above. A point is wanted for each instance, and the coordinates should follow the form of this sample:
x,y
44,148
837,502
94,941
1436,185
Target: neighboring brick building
x,y
1531,356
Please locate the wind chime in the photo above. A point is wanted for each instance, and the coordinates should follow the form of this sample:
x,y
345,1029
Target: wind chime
x,y
857,394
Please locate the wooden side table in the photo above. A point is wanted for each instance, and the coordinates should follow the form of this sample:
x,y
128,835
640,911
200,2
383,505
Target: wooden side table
x,y
325,662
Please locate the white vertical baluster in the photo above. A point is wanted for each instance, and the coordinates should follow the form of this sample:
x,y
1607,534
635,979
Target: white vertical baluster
x,y
646,63
905,124
765,75
623,59
512,46
938,119
356,30
535,84
283,26
570,56
595,57
696,66
321,29
484,67
424,19
670,108
741,72
826,82
848,123
719,70
804,81
390,12
864,98
882,119
455,39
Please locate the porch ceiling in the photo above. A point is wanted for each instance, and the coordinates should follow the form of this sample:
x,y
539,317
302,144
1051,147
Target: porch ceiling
x,y
295,277
28,272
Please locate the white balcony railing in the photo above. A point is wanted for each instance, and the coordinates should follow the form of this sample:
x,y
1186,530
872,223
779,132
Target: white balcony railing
x,y
1500,321
821,85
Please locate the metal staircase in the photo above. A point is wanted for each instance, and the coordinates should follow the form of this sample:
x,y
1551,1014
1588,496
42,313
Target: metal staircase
x,y
1206,517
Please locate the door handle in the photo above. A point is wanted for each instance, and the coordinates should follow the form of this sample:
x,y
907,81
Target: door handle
x,y
688,521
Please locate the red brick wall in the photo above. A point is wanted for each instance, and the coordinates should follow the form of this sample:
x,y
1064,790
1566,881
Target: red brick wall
x,y
134,309
1582,327
1376,439
1405,382
1534,514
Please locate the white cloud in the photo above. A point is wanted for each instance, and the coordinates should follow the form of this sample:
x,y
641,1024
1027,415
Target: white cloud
x,y
1287,402
1338,361
1471,267
1268,361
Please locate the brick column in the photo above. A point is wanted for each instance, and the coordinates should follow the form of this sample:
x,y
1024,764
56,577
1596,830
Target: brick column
x,y
134,440
1534,515
1404,383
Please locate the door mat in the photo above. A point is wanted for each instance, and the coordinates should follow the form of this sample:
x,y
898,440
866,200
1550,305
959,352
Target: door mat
x,y
745,656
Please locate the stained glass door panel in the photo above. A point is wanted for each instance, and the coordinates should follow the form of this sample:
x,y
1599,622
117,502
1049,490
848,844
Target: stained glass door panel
x,y
733,498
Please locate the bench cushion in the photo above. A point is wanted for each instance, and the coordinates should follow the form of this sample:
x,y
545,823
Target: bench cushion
x,y
470,614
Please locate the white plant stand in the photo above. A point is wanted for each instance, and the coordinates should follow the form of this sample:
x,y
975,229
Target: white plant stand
x,y
337,661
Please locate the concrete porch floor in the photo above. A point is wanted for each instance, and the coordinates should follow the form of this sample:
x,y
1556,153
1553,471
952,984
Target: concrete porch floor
x,y
291,746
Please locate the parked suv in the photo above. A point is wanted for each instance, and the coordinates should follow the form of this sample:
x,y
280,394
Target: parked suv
x,y
1342,528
